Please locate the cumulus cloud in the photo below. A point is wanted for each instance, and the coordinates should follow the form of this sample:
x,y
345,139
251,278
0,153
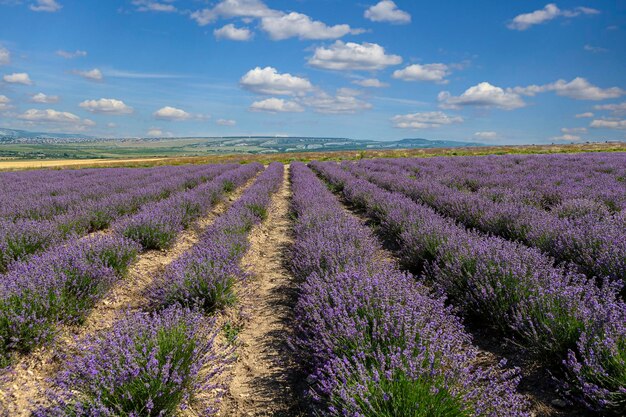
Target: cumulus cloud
x,y
233,8
566,138
299,25
486,135
5,56
4,103
353,56
578,89
17,78
66,119
156,132
43,98
616,108
424,120
92,75
370,83
45,6
427,72
268,81
619,124
107,106
387,11
233,33
276,105
482,95
70,54
155,6
584,115
345,101
226,122
171,113
549,12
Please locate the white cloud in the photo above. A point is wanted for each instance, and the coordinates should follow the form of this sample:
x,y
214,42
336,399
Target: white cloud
x,y
579,89
233,8
276,105
268,81
370,83
549,12
45,6
425,120
4,103
233,33
300,25
226,122
594,49
93,75
573,130
482,95
70,54
387,11
17,78
353,56
5,56
171,113
584,115
43,98
70,120
617,108
427,72
156,132
486,135
619,124
567,138
154,6
345,101
106,105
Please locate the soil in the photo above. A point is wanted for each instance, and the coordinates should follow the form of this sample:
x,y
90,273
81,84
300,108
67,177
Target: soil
x,y
264,378
22,387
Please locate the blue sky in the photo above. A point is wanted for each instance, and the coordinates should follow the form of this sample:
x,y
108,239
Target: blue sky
x,y
491,71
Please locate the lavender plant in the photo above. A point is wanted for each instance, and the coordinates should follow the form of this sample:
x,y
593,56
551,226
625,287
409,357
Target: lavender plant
x,y
146,365
205,276
376,342
554,311
60,286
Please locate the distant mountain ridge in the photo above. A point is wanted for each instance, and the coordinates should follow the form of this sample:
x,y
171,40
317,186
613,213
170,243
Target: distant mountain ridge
x,y
7,135
255,144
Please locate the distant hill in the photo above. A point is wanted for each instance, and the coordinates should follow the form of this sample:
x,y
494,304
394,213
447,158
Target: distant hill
x,y
9,135
24,144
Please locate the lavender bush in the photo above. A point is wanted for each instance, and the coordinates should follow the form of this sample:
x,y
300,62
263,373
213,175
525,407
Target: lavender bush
x,y
204,277
555,312
60,286
156,226
376,342
146,365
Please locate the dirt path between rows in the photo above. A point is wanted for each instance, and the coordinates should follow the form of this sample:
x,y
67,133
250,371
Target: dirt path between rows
x,y
22,389
264,379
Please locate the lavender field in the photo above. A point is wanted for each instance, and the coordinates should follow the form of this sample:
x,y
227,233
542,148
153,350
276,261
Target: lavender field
x,y
444,286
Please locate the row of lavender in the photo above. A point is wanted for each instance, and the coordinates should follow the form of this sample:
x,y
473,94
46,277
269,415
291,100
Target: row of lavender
x,y
544,181
573,231
100,202
39,195
63,284
165,360
565,319
375,341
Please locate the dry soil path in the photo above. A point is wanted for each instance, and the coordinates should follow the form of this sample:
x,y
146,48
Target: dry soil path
x,y
264,379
